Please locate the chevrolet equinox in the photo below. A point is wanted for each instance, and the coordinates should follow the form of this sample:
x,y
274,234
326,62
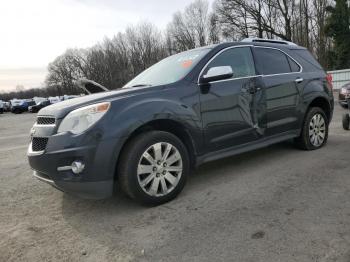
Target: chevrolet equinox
x,y
190,108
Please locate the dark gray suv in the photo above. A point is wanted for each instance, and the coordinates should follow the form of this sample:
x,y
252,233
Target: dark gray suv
x,y
190,108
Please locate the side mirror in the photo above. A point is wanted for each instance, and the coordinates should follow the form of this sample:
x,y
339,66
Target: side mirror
x,y
216,73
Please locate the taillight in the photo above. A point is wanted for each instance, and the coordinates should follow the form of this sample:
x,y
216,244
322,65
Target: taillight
x,y
330,81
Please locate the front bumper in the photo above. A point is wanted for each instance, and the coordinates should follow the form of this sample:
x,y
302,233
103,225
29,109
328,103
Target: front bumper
x,y
99,157
88,190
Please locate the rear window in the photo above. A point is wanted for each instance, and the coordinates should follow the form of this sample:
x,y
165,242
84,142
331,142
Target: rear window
x,y
308,61
272,61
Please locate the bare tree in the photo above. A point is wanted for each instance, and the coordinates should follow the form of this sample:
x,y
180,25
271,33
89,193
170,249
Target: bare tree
x,y
189,29
111,63
115,61
145,45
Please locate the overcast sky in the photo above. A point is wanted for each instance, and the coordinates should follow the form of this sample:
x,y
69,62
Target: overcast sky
x,y
33,33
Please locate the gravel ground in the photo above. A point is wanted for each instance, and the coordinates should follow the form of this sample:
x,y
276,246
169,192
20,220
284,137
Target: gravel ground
x,y
274,204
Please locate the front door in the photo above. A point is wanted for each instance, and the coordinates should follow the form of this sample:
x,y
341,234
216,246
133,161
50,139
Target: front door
x,y
233,110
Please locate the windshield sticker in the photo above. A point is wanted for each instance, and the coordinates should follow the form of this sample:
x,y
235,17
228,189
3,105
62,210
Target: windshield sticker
x,y
186,64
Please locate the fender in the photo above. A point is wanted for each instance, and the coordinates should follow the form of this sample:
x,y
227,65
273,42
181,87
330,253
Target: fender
x,y
314,89
138,113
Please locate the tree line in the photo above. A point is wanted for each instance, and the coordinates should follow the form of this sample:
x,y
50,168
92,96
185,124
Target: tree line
x,y
322,26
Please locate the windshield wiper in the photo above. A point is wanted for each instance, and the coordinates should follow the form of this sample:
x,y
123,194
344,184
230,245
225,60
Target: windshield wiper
x,y
141,85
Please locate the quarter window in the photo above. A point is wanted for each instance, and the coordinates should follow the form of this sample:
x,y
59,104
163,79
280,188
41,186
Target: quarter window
x,y
240,59
272,61
294,66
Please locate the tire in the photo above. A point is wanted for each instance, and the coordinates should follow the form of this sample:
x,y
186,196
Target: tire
x,y
162,181
305,141
346,121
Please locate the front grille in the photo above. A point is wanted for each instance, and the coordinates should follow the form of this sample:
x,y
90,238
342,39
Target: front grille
x,y
39,143
45,120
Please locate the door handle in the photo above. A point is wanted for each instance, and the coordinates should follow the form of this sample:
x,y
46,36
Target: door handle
x,y
252,90
299,80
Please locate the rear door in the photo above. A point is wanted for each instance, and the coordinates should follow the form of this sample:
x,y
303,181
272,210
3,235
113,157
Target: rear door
x,y
233,109
281,75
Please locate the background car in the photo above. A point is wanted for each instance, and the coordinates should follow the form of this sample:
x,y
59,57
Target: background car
x,y
30,103
1,107
344,93
18,106
40,105
7,106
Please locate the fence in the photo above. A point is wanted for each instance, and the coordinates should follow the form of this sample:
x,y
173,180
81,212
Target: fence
x,y
340,77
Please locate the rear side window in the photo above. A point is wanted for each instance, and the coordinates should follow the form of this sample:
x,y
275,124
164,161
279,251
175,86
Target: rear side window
x,y
239,58
272,61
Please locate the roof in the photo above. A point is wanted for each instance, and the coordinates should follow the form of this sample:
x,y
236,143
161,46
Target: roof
x,y
261,42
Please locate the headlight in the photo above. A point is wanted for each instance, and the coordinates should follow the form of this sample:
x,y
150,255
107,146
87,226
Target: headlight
x,y
81,119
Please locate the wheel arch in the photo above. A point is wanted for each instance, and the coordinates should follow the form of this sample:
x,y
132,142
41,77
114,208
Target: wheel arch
x,y
322,103
167,125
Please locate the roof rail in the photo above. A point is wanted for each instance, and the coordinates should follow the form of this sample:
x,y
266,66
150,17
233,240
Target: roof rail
x,y
262,40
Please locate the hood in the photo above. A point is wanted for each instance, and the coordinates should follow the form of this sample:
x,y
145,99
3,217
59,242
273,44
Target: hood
x,y
61,109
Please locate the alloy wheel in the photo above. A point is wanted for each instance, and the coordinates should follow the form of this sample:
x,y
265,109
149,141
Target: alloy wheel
x,y
317,130
159,169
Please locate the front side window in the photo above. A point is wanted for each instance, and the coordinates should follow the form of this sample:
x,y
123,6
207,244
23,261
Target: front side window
x,y
170,69
272,61
239,58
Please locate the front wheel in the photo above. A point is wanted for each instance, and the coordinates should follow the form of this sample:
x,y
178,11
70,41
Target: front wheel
x,y
314,132
153,167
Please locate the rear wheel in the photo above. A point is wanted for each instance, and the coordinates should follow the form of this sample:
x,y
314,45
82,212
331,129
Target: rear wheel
x,y
314,132
153,167
346,121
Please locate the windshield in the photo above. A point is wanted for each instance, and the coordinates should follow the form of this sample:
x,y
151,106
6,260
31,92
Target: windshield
x,y
170,69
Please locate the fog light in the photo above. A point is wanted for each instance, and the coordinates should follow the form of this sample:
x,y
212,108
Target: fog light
x,y
77,167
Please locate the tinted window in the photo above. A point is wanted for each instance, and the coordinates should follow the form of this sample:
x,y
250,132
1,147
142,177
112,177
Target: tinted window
x,y
272,61
240,59
294,66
